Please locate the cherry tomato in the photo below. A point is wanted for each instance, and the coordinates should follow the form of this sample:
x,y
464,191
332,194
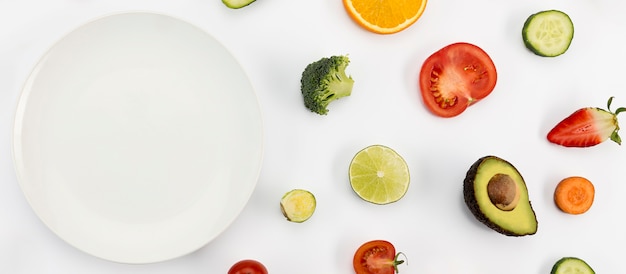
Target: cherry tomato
x,y
455,77
376,257
247,267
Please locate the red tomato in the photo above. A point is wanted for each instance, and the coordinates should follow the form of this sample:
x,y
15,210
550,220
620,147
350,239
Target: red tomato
x,y
376,257
456,77
248,267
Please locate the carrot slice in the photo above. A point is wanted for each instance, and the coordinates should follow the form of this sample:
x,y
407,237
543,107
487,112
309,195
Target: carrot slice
x,y
574,195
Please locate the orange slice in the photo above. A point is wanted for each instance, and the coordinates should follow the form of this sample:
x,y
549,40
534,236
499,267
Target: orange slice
x,y
385,16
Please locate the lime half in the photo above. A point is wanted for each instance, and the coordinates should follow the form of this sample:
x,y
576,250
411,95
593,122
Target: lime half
x,y
379,175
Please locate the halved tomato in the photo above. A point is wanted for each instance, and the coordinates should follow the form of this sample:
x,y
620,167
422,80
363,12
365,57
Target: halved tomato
x,y
456,77
247,267
376,257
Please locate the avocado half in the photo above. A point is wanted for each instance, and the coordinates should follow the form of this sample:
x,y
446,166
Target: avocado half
x,y
516,217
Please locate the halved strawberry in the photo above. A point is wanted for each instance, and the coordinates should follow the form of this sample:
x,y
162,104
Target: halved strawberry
x,y
587,127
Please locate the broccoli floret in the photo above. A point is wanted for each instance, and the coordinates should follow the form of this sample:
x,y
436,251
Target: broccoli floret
x,y
324,81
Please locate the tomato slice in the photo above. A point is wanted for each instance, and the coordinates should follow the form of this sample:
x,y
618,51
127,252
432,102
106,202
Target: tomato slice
x,y
376,257
247,267
455,77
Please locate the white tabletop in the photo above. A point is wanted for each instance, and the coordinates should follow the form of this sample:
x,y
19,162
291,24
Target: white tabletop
x,y
274,41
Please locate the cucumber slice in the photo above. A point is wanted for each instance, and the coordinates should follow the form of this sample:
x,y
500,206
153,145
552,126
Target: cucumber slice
x,y
571,265
298,205
548,33
237,4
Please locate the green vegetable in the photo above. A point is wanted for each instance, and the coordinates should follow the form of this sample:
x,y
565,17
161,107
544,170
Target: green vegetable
x,y
571,265
548,33
324,81
496,194
298,205
237,4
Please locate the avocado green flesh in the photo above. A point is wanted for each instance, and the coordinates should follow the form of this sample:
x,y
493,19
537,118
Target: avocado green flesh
x,y
518,222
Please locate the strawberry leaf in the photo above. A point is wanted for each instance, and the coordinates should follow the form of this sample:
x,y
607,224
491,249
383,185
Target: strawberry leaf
x,y
615,138
608,104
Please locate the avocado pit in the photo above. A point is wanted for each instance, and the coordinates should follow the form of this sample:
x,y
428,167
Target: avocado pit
x,y
503,192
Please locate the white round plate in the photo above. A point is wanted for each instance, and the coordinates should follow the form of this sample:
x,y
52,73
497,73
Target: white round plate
x,y
138,138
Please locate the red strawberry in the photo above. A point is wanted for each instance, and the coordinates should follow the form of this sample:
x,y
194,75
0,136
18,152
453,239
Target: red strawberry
x,y
587,127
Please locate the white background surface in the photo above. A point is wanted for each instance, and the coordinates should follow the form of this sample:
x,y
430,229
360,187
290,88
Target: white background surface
x,y
274,41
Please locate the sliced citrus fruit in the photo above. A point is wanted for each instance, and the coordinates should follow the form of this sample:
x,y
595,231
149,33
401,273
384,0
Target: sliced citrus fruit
x,y
385,16
298,205
379,175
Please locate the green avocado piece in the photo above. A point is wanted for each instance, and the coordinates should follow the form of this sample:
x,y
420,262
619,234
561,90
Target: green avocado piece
x,y
515,219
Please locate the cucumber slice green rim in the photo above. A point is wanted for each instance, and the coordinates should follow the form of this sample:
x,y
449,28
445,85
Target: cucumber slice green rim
x,y
548,33
571,265
237,4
